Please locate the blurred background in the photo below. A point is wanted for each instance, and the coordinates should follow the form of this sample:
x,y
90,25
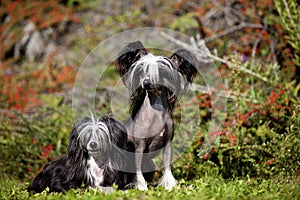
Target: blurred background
x,y
43,44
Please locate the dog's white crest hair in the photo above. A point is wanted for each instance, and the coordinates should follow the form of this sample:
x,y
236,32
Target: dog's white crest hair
x,y
150,65
97,130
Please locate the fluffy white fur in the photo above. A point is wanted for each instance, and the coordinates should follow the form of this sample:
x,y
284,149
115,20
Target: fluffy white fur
x,y
140,182
168,181
94,173
148,64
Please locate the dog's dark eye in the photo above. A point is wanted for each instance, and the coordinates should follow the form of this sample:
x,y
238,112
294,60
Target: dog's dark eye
x,y
93,145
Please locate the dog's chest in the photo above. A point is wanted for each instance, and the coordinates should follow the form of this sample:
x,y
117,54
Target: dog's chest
x,y
149,120
95,173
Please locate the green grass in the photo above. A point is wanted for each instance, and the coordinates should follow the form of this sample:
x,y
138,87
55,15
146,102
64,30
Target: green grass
x,y
205,188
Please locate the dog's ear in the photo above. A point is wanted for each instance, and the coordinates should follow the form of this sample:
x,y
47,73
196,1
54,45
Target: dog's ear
x,y
73,139
117,130
73,146
186,63
129,54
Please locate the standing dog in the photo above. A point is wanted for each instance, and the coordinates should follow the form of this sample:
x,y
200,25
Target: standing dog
x,y
154,83
95,159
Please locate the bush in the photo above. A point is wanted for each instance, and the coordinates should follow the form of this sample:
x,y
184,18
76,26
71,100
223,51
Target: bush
x,y
290,17
15,15
29,142
260,133
261,83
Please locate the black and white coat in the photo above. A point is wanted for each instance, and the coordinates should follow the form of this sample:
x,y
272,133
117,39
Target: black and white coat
x,y
96,158
154,83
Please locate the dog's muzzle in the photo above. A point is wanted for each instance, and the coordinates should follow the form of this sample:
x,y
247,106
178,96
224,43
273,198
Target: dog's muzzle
x,y
147,85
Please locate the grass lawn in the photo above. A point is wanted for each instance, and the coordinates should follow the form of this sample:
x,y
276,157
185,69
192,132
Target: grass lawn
x,y
205,188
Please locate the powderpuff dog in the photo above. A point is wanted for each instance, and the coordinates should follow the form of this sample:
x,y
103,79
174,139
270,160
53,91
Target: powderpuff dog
x,y
96,158
154,83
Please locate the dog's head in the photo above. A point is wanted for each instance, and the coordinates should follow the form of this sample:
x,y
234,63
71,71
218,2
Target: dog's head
x,y
94,156
139,69
98,137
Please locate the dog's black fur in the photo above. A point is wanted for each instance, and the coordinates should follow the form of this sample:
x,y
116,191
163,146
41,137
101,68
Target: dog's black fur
x,y
95,158
154,83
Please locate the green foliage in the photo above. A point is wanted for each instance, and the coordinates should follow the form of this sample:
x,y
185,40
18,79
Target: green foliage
x,y
289,11
29,142
255,140
254,132
254,154
185,24
21,91
15,13
290,148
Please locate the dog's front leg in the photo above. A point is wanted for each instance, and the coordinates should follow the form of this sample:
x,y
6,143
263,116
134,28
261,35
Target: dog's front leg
x,y
140,181
168,181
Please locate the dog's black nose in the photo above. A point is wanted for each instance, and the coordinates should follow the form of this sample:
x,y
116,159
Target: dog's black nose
x,y
147,84
93,145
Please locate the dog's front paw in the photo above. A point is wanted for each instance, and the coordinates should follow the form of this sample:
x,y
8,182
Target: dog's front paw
x,y
106,190
142,186
140,182
168,181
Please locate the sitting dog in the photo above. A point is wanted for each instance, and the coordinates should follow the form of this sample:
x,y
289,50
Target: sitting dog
x,y
95,158
154,83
